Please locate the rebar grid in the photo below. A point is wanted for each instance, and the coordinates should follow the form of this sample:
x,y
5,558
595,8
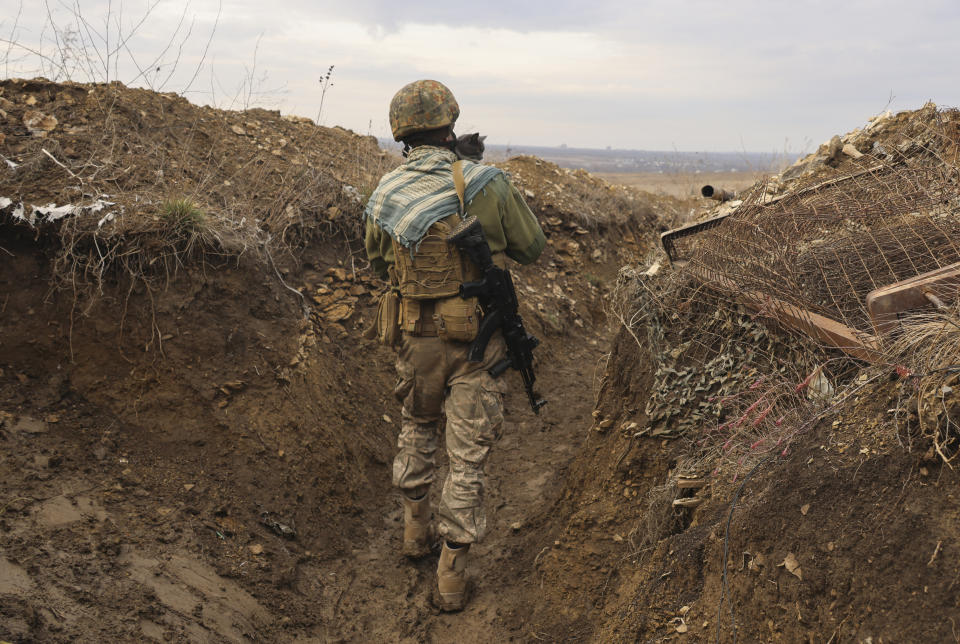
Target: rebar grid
x,y
823,247
728,376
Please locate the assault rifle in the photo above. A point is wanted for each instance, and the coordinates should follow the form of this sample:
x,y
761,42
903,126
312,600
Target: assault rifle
x,y
498,300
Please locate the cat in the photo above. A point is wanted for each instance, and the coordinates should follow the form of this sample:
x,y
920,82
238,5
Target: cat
x,y
470,146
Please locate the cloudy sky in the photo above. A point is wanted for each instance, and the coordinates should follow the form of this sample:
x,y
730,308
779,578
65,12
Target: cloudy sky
x,y
685,75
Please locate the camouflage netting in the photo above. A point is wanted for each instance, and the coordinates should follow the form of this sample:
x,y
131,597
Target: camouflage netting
x,y
874,207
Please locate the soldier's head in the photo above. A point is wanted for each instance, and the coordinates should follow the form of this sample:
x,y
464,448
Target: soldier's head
x,y
423,113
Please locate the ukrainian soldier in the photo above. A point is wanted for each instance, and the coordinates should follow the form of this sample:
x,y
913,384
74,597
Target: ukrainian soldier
x,y
408,219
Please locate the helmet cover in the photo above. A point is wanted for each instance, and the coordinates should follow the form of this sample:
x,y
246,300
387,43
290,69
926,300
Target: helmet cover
x,y
422,105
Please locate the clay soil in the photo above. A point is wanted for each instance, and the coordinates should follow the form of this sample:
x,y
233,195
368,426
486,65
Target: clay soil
x,y
200,450
196,436
214,492
147,496
872,527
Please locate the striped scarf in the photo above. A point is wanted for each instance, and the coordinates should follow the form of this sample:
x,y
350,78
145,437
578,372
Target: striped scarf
x,y
420,193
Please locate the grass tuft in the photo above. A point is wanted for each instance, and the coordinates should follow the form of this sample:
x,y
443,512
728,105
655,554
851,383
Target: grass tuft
x,y
183,214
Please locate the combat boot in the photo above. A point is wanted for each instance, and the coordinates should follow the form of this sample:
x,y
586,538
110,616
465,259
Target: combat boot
x,y
452,577
416,526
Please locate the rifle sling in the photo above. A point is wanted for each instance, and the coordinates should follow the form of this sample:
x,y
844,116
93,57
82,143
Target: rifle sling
x,y
459,183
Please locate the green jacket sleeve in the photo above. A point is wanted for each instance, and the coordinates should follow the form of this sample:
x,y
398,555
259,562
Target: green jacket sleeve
x,y
507,221
379,249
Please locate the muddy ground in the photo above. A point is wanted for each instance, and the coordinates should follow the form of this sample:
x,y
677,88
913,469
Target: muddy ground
x,y
128,516
216,467
196,436
870,520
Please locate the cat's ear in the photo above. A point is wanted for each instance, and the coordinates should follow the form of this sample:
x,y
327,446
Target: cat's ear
x,y
482,137
474,138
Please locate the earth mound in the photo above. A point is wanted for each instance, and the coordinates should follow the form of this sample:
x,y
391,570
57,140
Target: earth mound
x,y
196,434
771,459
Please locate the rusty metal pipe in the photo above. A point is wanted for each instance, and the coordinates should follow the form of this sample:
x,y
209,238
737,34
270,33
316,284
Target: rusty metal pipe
x,y
718,194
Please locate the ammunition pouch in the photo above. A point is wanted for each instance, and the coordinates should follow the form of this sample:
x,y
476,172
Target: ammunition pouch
x,y
388,318
457,319
413,318
429,281
451,318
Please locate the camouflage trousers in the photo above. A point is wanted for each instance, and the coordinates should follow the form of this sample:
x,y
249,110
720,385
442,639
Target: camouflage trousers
x,y
434,379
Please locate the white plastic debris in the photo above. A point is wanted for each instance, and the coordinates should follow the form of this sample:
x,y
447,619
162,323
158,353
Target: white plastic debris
x,y
820,386
653,270
18,213
52,212
352,192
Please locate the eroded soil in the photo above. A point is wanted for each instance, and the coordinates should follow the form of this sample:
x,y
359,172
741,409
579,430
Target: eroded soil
x,y
196,436
217,468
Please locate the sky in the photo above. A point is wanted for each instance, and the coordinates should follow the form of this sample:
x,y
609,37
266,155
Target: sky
x,y
685,75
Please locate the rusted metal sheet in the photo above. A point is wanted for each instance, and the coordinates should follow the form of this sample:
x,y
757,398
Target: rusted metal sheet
x,y
885,304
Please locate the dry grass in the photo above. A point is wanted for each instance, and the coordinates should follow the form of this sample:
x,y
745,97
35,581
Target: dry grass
x,y
929,342
682,185
187,184
659,520
928,347
151,248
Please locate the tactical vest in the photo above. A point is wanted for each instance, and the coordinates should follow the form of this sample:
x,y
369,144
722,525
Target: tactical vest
x,y
428,281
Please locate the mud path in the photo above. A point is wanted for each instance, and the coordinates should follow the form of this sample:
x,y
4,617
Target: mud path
x,y
93,550
131,514
381,596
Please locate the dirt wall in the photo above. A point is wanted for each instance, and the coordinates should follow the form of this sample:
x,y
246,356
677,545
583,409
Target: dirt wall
x,y
203,417
850,536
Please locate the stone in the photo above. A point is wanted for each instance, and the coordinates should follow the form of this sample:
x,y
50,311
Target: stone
x,y
338,313
28,425
39,123
851,151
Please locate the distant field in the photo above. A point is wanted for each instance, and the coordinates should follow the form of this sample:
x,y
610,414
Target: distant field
x,y
682,184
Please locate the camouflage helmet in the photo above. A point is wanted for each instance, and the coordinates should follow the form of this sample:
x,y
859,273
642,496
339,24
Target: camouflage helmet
x,y
422,105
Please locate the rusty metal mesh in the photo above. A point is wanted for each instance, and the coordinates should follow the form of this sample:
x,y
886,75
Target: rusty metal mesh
x,y
825,245
729,377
